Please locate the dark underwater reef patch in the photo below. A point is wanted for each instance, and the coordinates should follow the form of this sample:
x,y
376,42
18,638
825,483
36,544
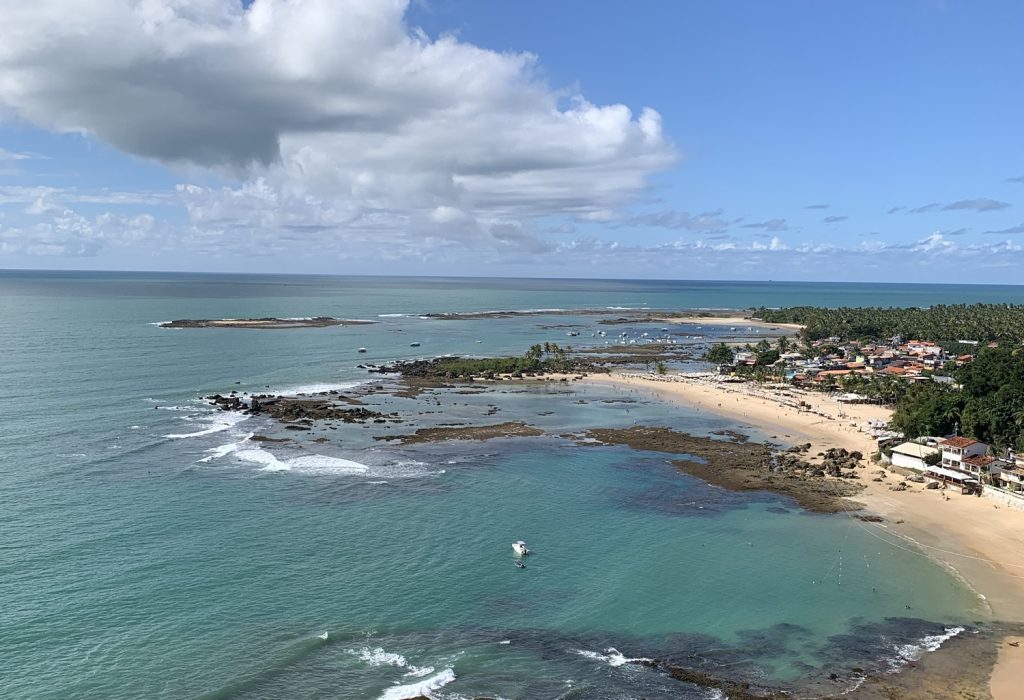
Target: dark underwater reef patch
x,y
737,466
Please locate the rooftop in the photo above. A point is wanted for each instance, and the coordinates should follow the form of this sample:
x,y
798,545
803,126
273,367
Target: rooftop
x,y
958,441
914,449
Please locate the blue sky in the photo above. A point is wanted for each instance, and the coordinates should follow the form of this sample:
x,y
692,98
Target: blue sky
x,y
852,141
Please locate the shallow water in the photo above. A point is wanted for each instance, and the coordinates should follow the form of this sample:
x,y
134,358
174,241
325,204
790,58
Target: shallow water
x,y
151,548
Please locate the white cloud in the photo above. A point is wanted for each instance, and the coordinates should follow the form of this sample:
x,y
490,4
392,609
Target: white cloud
x,y
936,243
13,155
331,113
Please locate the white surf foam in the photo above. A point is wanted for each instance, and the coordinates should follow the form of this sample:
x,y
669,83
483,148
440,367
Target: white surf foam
x,y
612,656
424,687
225,450
315,388
219,422
417,672
912,652
307,464
380,657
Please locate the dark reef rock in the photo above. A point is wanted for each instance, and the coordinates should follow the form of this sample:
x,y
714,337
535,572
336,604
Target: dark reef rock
x,y
739,466
471,432
263,323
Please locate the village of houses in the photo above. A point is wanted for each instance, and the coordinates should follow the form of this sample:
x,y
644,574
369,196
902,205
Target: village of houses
x,y
955,460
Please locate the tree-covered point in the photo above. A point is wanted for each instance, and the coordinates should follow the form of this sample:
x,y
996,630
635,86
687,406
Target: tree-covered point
x,y
942,323
548,357
988,406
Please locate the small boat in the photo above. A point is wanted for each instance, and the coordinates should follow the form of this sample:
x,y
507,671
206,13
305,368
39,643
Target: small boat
x,y
521,565
414,345
520,548
361,350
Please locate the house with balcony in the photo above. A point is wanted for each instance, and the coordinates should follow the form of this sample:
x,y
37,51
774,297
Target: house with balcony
x,y
957,448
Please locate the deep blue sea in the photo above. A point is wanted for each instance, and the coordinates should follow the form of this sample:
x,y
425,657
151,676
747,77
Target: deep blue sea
x,y
149,547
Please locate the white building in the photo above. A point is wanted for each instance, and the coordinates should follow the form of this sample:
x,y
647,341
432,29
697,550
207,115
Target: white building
x,y
957,448
911,455
1009,475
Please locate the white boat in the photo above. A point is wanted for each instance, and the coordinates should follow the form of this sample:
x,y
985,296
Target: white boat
x,y
520,548
414,345
361,350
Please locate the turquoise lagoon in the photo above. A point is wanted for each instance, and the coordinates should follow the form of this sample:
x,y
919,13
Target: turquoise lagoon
x,y
151,549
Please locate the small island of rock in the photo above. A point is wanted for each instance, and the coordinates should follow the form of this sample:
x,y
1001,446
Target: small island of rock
x,y
264,323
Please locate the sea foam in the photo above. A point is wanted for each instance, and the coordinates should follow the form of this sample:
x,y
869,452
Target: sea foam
x,y
219,422
906,653
316,388
307,464
225,450
380,657
415,690
612,657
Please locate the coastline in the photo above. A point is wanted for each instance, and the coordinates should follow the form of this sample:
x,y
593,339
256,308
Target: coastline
x,y
728,321
977,540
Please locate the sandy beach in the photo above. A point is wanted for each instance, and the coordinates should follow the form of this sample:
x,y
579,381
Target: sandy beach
x,y
982,542
738,321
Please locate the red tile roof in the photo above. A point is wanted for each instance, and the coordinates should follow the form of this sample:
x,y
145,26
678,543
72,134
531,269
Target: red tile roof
x,y
958,441
979,460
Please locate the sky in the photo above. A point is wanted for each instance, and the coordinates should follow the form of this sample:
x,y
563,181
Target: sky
x,y
851,140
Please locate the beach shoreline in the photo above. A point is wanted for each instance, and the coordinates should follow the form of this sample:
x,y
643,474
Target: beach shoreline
x,y
954,530
731,320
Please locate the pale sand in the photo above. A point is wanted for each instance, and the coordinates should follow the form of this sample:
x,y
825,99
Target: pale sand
x,y
1008,676
982,542
738,321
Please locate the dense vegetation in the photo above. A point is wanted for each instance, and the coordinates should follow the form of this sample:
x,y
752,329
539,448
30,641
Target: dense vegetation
x,y
720,354
981,322
548,357
989,406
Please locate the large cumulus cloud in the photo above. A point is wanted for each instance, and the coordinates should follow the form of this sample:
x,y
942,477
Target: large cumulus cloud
x,y
335,107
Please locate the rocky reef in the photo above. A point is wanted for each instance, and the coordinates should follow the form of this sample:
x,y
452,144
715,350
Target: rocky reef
x,y
469,432
264,323
748,466
298,412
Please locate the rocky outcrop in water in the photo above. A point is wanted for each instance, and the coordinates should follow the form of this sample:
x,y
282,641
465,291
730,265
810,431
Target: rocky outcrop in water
x,y
469,432
747,466
263,323
302,410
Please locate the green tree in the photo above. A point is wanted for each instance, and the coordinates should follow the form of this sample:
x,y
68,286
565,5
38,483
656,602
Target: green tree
x,y
720,354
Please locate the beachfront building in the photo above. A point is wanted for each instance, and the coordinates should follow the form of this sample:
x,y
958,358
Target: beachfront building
x,y
912,455
957,448
1008,475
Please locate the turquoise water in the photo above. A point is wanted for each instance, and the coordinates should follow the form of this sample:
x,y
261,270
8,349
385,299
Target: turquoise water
x,y
133,564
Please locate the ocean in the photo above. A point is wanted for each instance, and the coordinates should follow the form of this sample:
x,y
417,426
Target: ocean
x,y
152,548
